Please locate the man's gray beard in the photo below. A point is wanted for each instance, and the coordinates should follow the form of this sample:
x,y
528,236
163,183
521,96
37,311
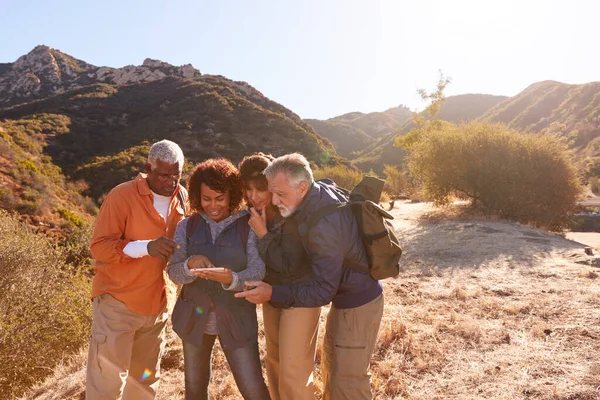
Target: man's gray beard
x,y
286,212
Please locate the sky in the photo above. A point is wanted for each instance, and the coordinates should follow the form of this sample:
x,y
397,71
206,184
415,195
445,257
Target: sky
x,y
322,58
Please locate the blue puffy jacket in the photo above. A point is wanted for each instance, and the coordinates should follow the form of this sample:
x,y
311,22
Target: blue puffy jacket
x,y
332,240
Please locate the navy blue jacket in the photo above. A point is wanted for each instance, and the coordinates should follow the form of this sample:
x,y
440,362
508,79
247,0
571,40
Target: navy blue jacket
x,y
331,243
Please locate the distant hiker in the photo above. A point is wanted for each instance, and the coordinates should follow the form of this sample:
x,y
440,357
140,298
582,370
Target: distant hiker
x,y
340,270
217,235
290,333
131,245
392,202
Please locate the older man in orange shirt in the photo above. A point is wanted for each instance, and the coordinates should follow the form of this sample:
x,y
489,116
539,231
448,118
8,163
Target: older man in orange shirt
x,y
131,244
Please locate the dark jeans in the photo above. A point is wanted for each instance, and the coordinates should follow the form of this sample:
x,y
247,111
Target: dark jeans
x,y
243,362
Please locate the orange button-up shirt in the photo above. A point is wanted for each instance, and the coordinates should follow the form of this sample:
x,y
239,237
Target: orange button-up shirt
x,y
128,214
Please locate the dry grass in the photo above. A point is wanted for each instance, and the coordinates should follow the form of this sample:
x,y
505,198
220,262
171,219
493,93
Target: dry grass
x,y
483,309
588,273
67,382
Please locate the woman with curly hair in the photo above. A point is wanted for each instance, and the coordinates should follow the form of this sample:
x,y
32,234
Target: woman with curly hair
x,y
217,253
291,334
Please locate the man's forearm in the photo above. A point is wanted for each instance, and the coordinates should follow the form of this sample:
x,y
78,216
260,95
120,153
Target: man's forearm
x,y
109,250
301,295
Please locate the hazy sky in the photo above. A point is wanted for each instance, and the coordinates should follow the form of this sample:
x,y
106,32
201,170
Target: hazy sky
x,y
322,58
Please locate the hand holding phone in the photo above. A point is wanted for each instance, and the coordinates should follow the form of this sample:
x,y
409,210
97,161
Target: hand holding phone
x,y
217,269
199,262
217,274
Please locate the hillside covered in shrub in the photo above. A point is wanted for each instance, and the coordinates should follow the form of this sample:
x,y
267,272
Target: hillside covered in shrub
x,y
352,132
548,107
86,137
459,108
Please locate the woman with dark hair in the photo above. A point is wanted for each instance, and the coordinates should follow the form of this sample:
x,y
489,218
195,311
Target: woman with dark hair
x,y
217,253
291,334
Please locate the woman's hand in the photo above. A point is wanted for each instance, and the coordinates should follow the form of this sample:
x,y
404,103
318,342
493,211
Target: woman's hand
x,y
225,277
199,261
258,222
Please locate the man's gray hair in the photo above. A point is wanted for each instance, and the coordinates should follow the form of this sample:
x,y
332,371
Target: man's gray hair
x,y
165,151
296,167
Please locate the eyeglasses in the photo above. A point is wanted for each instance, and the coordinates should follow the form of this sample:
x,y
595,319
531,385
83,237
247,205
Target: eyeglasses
x,y
167,177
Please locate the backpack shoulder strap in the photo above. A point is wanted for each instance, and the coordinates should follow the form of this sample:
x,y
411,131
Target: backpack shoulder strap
x,y
323,211
244,229
192,223
182,201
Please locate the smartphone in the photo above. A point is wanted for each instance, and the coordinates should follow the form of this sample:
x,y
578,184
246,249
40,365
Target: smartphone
x,y
218,269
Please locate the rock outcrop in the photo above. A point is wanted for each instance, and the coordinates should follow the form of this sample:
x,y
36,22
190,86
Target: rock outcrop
x,y
45,71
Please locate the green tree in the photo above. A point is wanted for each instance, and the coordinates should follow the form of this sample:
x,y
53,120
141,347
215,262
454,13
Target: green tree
x,y
425,121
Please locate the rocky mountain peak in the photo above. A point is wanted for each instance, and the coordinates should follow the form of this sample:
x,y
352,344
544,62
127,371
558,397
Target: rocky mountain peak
x,y
45,71
37,60
186,71
149,62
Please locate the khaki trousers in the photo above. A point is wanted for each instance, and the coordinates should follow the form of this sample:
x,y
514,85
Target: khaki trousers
x,y
348,345
291,338
125,351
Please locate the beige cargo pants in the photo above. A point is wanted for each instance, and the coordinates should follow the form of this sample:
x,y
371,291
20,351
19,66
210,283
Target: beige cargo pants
x,y
291,337
348,345
125,351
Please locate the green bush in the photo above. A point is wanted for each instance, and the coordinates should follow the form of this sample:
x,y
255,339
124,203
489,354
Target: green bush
x,y
105,171
30,207
27,164
385,197
593,168
77,248
595,185
397,182
7,199
524,177
45,311
343,176
71,217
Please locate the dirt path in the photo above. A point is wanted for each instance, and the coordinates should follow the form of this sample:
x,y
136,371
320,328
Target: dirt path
x,y
591,239
491,309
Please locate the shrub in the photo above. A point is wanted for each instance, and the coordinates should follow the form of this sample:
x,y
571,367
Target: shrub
x,y
593,168
343,176
525,177
7,199
107,171
6,150
595,185
45,311
30,207
29,165
385,197
398,182
71,217
77,248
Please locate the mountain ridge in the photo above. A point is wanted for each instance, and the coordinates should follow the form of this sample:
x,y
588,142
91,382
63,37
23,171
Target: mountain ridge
x,y
96,134
45,71
350,133
454,109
